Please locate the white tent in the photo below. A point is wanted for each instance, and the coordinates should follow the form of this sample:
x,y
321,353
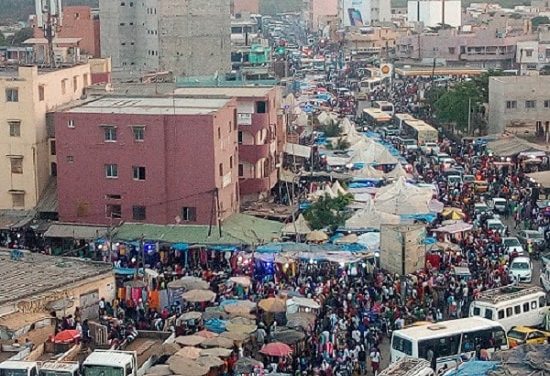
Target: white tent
x,y
301,120
299,226
401,198
338,189
369,172
326,191
369,217
398,172
374,153
371,240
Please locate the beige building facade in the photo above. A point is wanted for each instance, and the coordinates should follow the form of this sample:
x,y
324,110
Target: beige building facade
x,y
26,95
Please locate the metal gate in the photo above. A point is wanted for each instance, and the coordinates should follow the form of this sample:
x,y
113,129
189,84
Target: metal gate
x,y
89,305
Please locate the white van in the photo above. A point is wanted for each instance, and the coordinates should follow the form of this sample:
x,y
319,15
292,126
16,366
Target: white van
x,y
18,368
511,306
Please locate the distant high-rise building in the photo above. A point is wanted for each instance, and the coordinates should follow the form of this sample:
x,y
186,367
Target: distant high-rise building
x,y
434,13
186,37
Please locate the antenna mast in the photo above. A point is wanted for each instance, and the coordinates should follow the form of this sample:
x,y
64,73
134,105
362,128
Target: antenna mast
x,y
49,17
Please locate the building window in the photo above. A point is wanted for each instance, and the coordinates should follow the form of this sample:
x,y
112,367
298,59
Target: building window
x,y
138,213
261,107
219,133
139,133
70,123
41,93
16,164
85,80
75,83
528,53
18,199
189,214
109,134
547,103
530,104
511,105
241,170
240,138
12,95
230,162
113,197
547,53
52,147
64,86
113,211
15,128
139,172
111,171
220,168
451,50
70,158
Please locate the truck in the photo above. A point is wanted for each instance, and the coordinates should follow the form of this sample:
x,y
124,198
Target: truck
x,y
112,363
18,368
35,368
53,368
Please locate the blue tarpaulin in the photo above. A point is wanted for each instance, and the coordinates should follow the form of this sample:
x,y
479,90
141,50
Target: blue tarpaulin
x,y
474,368
223,248
127,271
180,246
215,325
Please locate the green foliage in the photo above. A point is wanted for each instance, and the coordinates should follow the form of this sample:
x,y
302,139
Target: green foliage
x,y
328,212
342,144
20,10
21,36
332,129
273,7
2,40
540,20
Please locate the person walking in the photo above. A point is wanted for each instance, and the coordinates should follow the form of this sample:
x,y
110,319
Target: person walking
x,y
375,358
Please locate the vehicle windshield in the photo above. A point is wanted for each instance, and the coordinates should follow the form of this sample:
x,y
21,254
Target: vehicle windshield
x,y
496,226
511,243
93,370
534,235
515,334
409,142
13,372
45,372
520,266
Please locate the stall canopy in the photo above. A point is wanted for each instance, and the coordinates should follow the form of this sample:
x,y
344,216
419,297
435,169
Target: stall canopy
x,y
510,146
61,230
541,177
298,150
299,226
369,217
374,153
237,229
401,198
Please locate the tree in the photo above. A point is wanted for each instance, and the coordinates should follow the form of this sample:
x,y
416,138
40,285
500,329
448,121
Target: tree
x,y
2,39
19,37
328,212
540,20
331,129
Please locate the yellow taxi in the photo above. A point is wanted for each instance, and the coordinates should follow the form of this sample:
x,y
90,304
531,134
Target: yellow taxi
x,y
519,335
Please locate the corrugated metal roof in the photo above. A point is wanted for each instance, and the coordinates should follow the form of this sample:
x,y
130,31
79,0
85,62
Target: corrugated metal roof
x,y
60,230
48,201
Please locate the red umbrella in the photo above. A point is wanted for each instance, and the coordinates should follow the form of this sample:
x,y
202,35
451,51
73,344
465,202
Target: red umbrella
x,y
276,349
66,336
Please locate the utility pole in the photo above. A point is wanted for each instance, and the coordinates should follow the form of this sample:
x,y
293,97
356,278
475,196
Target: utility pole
x,y
469,116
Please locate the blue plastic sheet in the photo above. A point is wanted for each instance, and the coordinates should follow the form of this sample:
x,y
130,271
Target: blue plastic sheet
x,y
474,368
222,248
180,246
215,325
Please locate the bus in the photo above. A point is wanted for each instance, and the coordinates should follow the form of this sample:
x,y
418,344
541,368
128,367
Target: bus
x,y
385,106
421,131
376,118
512,306
368,85
449,341
399,119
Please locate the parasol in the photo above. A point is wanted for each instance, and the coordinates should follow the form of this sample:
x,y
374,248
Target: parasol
x,y
206,334
193,315
190,340
189,352
160,370
217,351
66,336
348,239
306,302
273,305
169,349
235,336
240,328
276,349
194,283
453,213
289,337
246,365
316,236
210,315
218,342
197,296
243,280
210,361
186,367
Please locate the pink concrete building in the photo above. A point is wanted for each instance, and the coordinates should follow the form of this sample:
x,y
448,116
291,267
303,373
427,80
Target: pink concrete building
x,y
159,160
245,6
320,9
261,137
78,22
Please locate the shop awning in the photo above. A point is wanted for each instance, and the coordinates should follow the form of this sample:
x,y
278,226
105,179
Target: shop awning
x,y
541,177
298,150
10,219
60,230
510,146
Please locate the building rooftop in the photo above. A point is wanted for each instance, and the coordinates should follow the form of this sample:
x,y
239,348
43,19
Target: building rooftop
x,y
152,106
226,91
25,274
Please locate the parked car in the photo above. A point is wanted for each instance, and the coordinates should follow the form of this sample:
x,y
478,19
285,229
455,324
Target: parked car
x,y
521,269
482,208
534,236
520,335
512,245
469,179
545,278
429,148
496,225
